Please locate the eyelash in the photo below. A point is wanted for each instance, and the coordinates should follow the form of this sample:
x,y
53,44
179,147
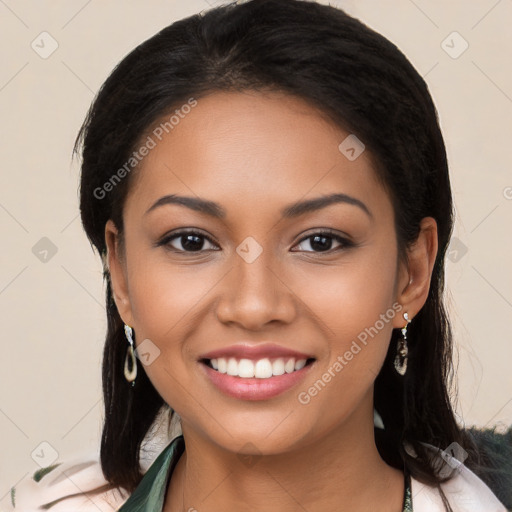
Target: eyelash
x,y
346,244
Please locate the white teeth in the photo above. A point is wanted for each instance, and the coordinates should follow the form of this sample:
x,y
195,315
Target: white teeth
x,y
289,367
245,368
232,366
261,369
223,365
300,364
278,367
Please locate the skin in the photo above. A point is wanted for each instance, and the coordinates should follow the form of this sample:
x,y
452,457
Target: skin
x,y
254,154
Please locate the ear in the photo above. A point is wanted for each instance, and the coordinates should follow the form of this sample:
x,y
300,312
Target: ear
x,y
118,273
415,276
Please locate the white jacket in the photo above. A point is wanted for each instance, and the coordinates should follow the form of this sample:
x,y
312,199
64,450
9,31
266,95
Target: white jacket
x,y
465,493
74,481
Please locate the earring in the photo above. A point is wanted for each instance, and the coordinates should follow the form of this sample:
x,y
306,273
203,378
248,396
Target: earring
x,y
402,351
130,357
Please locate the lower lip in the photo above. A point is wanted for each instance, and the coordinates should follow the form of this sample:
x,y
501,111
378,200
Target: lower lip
x,y
254,388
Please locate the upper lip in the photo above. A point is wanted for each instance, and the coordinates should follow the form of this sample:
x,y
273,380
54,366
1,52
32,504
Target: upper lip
x,y
259,351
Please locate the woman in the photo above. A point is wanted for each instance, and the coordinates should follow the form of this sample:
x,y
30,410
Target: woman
x,y
267,185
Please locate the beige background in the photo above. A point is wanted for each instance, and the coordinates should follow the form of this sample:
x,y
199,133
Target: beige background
x,y
52,312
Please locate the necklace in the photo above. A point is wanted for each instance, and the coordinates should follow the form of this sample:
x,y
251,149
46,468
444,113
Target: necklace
x,y
407,504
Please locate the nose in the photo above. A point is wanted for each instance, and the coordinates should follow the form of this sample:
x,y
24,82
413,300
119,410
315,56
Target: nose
x,y
253,294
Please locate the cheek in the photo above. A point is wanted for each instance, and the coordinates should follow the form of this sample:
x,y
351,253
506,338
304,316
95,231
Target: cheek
x,y
348,298
167,301
166,296
353,306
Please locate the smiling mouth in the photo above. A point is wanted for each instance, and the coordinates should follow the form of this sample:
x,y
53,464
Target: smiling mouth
x,y
263,368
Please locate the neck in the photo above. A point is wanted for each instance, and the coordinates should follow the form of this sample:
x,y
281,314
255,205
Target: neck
x,y
340,470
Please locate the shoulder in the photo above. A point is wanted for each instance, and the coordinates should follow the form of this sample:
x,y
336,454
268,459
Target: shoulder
x,y
77,484
495,451
465,492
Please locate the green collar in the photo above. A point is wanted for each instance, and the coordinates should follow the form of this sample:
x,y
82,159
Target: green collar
x,y
149,495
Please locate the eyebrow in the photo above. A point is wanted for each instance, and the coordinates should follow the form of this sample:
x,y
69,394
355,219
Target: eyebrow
x,y
293,210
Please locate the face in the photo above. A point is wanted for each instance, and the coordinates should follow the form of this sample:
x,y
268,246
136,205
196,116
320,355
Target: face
x,y
251,271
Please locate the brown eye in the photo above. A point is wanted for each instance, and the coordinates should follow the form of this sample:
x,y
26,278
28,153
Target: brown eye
x,y
323,241
186,241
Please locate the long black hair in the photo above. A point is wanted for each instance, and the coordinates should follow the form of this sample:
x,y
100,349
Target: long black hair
x,y
366,85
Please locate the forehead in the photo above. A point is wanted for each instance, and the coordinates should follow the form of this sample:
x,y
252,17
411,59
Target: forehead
x,y
252,150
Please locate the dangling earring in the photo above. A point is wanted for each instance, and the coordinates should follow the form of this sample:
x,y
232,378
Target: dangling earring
x,y
402,351
130,357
